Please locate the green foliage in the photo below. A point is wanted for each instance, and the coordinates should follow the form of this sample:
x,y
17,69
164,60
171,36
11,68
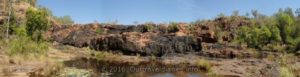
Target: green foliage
x,y
275,36
46,10
285,24
22,45
173,27
149,26
271,32
254,36
289,29
37,23
25,46
289,11
67,20
204,64
99,31
12,23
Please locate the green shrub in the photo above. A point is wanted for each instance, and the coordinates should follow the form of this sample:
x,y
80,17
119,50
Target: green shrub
x,y
99,31
173,27
37,22
149,27
24,46
285,24
204,64
254,36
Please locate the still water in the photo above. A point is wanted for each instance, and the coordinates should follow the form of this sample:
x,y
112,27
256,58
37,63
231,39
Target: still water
x,y
147,69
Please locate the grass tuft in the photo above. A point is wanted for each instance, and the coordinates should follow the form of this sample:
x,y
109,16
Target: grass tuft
x,y
204,64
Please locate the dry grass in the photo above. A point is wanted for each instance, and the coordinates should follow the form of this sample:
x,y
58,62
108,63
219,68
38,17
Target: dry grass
x,y
287,68
74,72
51,69
271,57
107,56
212,74
286,72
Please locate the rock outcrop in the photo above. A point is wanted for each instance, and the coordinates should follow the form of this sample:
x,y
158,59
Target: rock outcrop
x,y
146,44
149,39
225,51
141,39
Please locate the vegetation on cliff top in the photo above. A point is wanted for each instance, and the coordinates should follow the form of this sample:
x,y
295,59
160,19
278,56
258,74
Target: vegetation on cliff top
x,y
279,29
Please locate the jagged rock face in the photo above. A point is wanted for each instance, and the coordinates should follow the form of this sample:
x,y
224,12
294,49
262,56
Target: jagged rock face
x,y
147,44
225,51
225,26
79,38
141,39
148,39
206,32
231,23
75,35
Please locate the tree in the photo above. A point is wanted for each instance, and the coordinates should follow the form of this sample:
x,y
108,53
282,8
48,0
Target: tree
x,y
298,12
254,13
235,13
254,36
275,36
289,11
285,25
221,15
37,23
247,14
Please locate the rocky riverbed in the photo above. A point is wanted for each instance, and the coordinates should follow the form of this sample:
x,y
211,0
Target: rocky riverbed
x,y
192,46
149,50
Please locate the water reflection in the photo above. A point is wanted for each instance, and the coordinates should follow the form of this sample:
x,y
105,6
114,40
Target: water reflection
x,y
116,69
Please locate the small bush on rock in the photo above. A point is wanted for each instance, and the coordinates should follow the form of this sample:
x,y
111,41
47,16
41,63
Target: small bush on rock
x,y
173,27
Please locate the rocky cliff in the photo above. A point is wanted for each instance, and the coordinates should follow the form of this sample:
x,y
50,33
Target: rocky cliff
x,y
145,39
